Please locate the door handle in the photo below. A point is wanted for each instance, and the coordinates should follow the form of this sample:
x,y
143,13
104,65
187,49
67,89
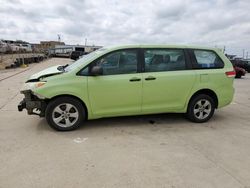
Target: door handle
x,y
135,79
150,78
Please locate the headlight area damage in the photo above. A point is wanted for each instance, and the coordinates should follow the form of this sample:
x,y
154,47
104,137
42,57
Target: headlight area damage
x,y
33,104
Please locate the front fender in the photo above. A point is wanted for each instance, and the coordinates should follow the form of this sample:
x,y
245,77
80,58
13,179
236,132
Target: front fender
x,y
65,85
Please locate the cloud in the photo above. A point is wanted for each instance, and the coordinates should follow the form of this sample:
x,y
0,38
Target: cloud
x,y
106,22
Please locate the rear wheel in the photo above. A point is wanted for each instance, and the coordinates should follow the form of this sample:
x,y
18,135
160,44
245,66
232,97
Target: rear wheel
x,y
201,108
65,113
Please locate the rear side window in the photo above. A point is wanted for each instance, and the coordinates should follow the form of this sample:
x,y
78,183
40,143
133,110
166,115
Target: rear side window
x,y
158,60
207,60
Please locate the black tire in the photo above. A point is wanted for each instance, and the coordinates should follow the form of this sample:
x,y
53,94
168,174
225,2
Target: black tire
x,y
192,107
62,103
238,76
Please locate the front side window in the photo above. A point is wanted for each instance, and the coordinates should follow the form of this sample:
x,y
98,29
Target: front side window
x,y
164,60
207,59
120,62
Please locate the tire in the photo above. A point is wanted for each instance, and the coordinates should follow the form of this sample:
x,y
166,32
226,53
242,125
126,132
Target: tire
x,y
238,76
200,108
65,114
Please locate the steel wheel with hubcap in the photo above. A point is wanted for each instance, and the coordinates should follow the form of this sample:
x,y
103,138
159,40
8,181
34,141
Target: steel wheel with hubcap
x,y
65,113
201,108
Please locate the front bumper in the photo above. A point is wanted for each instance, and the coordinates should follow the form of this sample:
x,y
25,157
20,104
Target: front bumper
x,y
21,105
32,104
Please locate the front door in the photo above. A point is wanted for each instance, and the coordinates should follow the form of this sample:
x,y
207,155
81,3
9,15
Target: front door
x,y
119,90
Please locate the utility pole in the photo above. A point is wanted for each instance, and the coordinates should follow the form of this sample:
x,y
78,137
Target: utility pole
x,y
243,53
247,55
59,37
85,42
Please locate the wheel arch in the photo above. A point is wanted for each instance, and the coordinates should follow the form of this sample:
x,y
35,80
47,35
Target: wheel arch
x,y
72,96
208,92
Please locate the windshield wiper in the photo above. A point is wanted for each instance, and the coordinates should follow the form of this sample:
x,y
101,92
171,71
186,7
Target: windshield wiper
x,y
62,67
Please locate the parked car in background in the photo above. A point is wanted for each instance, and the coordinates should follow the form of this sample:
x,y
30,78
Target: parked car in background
x,y
239,72
76,54
14,47
25,48
132,80
248,66
242,64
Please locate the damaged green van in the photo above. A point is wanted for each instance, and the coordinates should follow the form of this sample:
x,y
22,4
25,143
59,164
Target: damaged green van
x,y
131,80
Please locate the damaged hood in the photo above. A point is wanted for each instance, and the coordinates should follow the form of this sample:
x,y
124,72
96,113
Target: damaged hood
x,y
45,73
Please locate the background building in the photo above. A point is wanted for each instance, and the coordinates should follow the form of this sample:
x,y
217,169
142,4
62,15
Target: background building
x,y
45,45
50,44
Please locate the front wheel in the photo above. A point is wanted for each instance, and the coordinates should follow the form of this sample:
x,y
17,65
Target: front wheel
x,y
65,114
201,108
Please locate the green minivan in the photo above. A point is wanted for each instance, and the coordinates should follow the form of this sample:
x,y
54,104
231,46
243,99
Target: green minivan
x,y
132,80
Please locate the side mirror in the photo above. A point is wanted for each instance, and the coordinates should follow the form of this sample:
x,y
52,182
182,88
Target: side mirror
x,y
96,71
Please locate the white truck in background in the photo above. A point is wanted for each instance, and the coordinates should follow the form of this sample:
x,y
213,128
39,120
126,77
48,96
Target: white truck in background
x,y
14,47
25,48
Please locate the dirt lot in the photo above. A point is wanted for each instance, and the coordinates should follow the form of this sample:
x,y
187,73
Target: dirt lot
x,y
145,151
8,59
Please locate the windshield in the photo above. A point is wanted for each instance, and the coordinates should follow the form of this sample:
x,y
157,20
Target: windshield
x,y
80,61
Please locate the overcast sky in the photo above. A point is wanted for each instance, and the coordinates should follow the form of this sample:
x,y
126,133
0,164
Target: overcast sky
x,y
108,22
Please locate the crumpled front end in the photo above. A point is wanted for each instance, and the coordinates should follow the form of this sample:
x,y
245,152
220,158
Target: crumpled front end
x,y
33,104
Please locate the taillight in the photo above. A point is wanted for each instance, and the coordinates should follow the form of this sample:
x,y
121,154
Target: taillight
x,y
230,74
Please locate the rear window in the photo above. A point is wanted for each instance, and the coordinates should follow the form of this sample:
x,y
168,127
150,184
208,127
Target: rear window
x,y
207,60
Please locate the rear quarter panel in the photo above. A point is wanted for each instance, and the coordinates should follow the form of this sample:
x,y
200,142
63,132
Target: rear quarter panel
x,y
217,81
